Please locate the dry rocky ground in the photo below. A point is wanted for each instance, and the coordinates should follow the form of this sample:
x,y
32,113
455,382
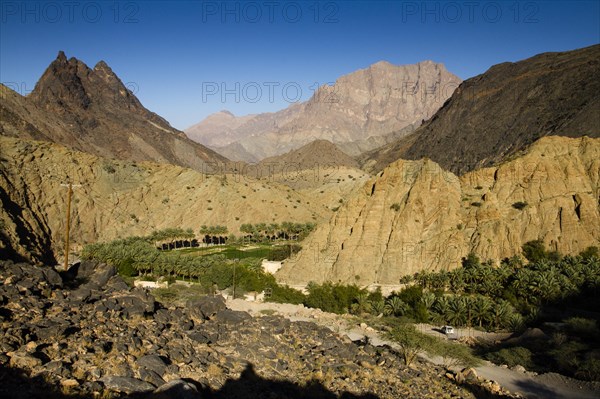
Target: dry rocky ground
x,y
85,333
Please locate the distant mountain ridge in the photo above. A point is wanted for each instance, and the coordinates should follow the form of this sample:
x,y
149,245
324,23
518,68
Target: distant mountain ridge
x,y
353,114
495,115
91,110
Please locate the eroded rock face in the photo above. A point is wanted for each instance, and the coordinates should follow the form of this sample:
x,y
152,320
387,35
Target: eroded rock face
x,y
416,216
107,351
371,102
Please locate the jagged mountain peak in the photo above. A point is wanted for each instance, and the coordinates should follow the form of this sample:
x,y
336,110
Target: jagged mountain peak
x,y
92,110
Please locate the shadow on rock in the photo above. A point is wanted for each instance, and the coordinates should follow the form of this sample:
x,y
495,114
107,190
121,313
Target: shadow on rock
x,y
15,384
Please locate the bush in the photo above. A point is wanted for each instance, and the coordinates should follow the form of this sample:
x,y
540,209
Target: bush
x,y
519,205
589,370
585,328
283,252
411,342
395,206
126,269
285,294
517,355
534,251
334,298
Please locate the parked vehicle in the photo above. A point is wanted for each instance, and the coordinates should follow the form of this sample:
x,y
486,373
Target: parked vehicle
x,y
448,330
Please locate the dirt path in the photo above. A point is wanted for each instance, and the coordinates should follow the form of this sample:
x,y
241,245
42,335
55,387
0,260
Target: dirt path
x,y
544,386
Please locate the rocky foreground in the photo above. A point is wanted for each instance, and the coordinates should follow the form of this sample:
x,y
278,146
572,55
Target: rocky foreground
x,y
87,334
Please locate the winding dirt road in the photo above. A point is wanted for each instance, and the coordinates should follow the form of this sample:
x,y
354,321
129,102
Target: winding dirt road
x,y
544,386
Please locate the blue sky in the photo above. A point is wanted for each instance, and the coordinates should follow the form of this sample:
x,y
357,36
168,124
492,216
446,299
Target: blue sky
x,y
187,59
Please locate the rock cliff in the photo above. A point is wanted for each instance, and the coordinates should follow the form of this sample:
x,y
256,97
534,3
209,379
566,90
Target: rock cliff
x,y
416,216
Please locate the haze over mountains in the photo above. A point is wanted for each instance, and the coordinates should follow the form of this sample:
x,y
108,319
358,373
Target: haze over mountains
x,y
91,110
361,111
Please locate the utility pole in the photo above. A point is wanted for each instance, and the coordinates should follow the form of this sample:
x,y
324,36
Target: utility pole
x,y
68,224
235,261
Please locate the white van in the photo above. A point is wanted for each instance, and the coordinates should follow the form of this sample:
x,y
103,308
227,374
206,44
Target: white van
x,y
448,330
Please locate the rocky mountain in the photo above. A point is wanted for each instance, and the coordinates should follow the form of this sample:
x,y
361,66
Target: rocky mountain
x,y
414,216
318,152
88,334
121,199
91,110
494,116
371,102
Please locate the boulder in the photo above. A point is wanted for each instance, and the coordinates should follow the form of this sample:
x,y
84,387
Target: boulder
x,y
153,362
128,385
102,274
24,360
228,316
179,389
206,307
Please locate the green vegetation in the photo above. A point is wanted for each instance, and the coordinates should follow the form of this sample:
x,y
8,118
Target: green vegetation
x,y
511,296
395,207
519,205
412,343
262,232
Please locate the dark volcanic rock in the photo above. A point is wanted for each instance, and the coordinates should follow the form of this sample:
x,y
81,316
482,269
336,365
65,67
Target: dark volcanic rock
x,y
153,362
229,316
127,384
204,308
178,389
98,350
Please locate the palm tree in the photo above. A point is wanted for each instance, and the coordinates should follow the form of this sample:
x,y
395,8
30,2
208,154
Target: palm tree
x,y
428,299
441,307
481,307
457,311
501,311
378,307
362,304
395,306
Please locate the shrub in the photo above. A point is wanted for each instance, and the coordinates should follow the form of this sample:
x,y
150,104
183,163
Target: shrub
x,y
411,342
519,205
285,294
283,252
126,269
534,251
517,355
329,297
589,370
476,204
395,206
586,328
